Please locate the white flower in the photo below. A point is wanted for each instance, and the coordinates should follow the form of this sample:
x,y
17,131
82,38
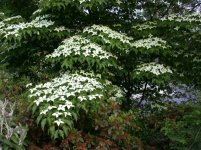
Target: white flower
x,y
61,92
58,122
154,68
12,18
58,29
37,11
44,111
149,25
136,96
119,94
61,107
91,97
1,13
149,43
186,18
29,85
38,101
67,114
51,107
78,45
104,32
81,98
57,114
15,29
69,104
177,28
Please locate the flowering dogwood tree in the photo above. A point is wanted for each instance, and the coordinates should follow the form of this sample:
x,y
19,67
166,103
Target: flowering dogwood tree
x,y
95,64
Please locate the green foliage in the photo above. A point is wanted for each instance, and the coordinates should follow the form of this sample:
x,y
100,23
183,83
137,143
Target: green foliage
x,y
117,60
22,7
184,130
185,54
57,103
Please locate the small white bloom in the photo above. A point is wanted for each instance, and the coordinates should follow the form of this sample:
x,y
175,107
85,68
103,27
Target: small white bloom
x,y
154,68
58,122
91,97
69,104
81,98
78,45
44,111
61,107
67,114
57,114
38,101
29,85
51,107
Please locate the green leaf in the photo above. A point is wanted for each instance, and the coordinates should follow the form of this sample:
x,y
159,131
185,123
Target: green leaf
x,y
56,135
49,121
74,116
32,107
43,123
65,130
61,133
69,123
51,131
39,119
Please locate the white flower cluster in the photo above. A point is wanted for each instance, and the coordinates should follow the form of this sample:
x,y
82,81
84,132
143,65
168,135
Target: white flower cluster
x,y
58,122
61,28
149,25
64,87
150,43
2,14
105,32
14,29
59,92
82,1
65,2
154,68
187,18
12,18
78,45
2,25
37,11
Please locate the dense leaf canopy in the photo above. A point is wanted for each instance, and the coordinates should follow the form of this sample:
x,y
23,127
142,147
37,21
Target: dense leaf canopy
x,y
116,59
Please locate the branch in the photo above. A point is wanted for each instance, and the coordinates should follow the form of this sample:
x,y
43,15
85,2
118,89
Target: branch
x,y
167,10
128,93
143,93
193,8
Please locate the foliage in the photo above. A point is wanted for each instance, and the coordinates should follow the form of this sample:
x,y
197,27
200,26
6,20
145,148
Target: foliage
x,y
186,54
57,103
117,60
21,7
184,129
110,130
